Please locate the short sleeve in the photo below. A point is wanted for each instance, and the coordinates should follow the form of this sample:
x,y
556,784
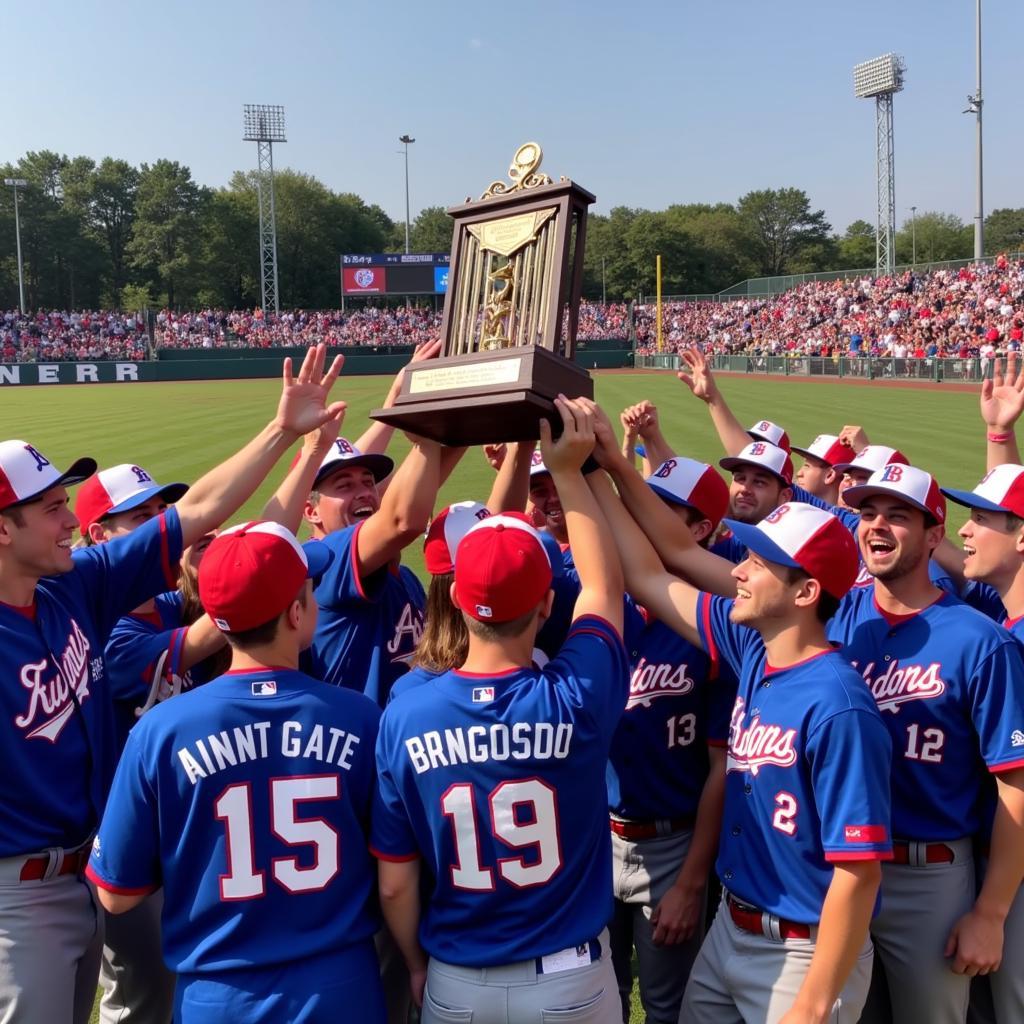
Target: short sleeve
x,y
997,707
855,819
391,832
724,641
125,855
341,584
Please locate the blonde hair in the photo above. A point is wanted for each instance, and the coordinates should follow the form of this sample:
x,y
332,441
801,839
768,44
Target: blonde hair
x,y
445,641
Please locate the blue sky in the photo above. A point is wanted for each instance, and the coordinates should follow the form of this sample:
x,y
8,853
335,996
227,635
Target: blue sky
x,y
643,104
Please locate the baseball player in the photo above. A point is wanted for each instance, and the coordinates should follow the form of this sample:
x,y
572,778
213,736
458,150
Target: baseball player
x,y
248,800
799,848
820,474
492,777
666,777
57,609
949,684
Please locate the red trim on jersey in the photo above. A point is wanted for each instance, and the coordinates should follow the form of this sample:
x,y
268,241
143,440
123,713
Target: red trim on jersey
x,y
838,858
262,668
1010,623
898,620
170,571
354,556
465,674
704,600
176,649
1008,766
27,610
866,834
150,618
583,629
118,890
772,669
394,858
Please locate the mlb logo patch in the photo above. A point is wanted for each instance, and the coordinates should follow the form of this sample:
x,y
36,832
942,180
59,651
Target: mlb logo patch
x,y
483,694
265,688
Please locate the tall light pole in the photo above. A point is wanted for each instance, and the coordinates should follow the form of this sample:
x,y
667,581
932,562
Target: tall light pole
x,y
974,107
881,79
913,235
17,183
406,141
264,125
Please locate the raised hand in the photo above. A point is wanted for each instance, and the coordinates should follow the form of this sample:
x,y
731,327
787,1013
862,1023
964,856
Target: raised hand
x,y
699,380
496,455
570,451
303,405
855,436
1002,397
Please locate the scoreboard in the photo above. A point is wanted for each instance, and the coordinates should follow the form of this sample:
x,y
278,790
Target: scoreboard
x,y
394,273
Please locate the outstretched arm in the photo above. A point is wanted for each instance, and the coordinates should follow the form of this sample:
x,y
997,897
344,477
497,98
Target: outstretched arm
x,y
1002,402
511,489
701,382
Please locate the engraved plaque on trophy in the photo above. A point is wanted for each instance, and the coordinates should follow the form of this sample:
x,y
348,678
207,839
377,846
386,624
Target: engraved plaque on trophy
x,y
510,314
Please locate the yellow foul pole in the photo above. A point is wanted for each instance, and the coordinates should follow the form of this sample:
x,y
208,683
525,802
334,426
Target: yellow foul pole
x,y
658,274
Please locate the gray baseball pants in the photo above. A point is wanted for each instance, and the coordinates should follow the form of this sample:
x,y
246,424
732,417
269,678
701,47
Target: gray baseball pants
x,y
999,997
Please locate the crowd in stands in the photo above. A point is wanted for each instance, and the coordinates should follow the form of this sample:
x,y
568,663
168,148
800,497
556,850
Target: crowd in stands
x,y
968,312
71,336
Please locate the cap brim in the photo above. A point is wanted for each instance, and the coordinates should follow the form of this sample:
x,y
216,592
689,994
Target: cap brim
x,y
760,543
842,467
731,462
381,466
79,471
673,499
318,558
853,496
805,454
169,492
972,500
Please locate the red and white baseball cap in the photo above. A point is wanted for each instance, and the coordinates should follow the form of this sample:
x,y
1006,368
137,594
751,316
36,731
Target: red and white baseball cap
x,y
1001,490
908,483
765,455
874,457
829,449
252,572
344,454
448,527
693,484
804,537
765,430
502,569
25,473
120,489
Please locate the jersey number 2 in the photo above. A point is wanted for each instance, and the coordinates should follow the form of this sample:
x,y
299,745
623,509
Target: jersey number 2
x,y
537,798
244,881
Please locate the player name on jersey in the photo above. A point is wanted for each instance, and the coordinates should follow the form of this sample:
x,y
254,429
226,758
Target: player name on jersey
x,y
524,741
758,744
205,757
896,685
651,680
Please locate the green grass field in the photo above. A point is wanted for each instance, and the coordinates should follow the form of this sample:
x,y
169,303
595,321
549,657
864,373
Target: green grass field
x,y
176,430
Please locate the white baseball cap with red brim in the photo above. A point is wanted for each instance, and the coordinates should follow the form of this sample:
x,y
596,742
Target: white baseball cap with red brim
x,y
908,483
26,474
1001,490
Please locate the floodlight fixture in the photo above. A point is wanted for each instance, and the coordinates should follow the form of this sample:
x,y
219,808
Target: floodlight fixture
x,y
879,76
263,123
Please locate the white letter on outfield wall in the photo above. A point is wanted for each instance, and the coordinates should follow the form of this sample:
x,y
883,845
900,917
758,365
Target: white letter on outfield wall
x,y
49,373
10,374
85,372
126,371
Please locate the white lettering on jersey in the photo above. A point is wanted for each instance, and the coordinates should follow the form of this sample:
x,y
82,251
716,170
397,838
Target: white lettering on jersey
x,y
524,741
758,744
51,705
410,624
896,686
651,681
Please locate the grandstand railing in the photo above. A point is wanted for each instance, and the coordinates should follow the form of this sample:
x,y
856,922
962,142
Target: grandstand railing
x,y
969,370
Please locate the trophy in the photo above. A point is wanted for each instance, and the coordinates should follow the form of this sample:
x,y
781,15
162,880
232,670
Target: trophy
x,y
510,314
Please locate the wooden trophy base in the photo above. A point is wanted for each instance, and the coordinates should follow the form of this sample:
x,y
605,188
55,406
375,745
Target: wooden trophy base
x,y
485,398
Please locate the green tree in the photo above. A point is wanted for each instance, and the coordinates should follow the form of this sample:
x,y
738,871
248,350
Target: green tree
x,y
779,226
431,231
166,230
230,249
1004,231
857,246
111,212
940,236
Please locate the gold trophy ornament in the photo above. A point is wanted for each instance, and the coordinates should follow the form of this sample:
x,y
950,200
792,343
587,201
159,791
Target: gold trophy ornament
x,y
510,314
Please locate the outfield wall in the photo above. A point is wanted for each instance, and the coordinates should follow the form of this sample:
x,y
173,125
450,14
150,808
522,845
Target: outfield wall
x,y
357,363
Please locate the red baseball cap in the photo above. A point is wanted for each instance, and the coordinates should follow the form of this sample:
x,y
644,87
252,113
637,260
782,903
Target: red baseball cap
x,y
808,538
120,489
765,455
252,572
765,430
502,569
827,448
693,484
908,483
25,473
446,529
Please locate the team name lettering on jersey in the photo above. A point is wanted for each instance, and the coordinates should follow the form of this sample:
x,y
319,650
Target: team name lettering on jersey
x,y
314,742
50,704
896,686
651,681
408,631
524,741
757,744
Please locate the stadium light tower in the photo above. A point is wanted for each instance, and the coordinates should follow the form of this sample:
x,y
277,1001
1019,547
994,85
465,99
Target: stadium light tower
x,y
881,79
264,125
974,107
17,183
406,141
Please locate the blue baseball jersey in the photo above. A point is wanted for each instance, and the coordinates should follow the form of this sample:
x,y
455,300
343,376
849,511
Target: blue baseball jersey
x,y
729,548
983,598
850,518
368,627
677,707
497,782
565,583
949,685
416,676
798,736
59,740
133,653
248,799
